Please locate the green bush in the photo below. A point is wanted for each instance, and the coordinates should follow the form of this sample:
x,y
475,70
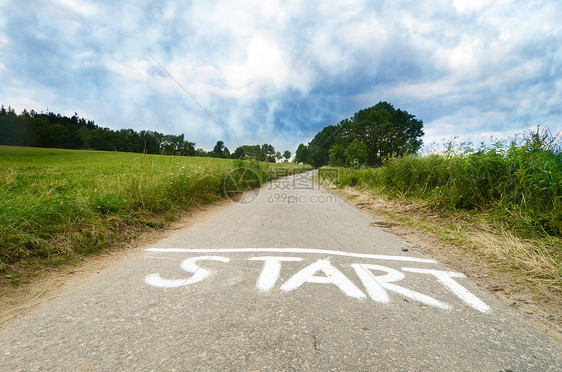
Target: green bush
x,y
519,183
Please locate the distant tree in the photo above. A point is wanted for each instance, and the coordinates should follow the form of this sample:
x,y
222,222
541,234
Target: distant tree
x,y
100,139
267,153
320,145
386,132
302,154
58,135
10,131
218,150
84,136
287,155
381,130
356,153
201,153
125,139
337,156
238,153
53,130
187,148
247,151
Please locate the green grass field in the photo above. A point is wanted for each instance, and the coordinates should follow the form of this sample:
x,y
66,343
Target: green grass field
x,y
57,203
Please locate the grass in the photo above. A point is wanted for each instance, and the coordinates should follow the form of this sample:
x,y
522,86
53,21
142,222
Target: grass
x,y
58,203
520,184
507,195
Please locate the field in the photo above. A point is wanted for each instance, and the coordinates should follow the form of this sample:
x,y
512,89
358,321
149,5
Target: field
x,y
58,203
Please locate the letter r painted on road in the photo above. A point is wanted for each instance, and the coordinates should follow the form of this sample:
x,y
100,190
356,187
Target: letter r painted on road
x,y
376,285
188,265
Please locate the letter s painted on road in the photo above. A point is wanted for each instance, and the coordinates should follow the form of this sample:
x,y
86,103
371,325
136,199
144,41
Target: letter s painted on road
x,y
188,265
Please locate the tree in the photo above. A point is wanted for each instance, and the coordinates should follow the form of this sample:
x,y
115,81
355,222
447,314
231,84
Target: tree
x,y
337,156
287,155
149,142
187,148
218,150
386,132
50,130
319,147
239,153
247,151
381,130
84,135
356,154
201,153
302,154
267,153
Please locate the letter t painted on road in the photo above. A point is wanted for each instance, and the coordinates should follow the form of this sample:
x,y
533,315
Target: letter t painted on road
x,y
271,270
446,278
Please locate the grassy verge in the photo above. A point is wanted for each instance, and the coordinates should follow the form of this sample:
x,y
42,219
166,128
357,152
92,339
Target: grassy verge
x,y
58,203
499,202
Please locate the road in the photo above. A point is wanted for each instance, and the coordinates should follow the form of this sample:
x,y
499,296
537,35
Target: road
x,y
292,278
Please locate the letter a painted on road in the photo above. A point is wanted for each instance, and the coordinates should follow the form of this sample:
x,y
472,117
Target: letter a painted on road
x,y
332,276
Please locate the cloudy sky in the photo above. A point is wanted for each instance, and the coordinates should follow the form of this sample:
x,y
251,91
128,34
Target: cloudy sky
x,y
277,72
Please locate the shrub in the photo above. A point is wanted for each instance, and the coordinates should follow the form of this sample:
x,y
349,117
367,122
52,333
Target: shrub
x,y
519,182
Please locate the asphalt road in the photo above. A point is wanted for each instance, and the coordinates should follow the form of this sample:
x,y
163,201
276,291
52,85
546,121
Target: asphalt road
x,y
293,279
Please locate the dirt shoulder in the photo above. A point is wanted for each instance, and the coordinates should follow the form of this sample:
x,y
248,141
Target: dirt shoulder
x,y
53,281
435,235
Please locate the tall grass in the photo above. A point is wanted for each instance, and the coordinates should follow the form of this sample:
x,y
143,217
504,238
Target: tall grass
x,y
61,202
518,183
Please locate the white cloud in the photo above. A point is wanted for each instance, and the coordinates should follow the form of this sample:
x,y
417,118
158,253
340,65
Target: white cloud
x,y
82,8
132,69
4,40
265,71
270,71
470,5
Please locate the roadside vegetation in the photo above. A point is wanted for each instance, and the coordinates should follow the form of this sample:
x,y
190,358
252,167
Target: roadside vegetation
x,y
508,191
58,203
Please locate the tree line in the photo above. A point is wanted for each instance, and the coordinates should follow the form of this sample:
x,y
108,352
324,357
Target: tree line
x,y
368,138
55,131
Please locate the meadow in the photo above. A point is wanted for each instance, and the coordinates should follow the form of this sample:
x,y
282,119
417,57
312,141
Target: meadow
x,y
58,203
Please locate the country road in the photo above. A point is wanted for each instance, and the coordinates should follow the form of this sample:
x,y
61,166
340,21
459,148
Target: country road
x,y
290,278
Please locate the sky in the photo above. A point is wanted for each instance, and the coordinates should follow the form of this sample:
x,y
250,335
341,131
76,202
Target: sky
x,y
254,72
